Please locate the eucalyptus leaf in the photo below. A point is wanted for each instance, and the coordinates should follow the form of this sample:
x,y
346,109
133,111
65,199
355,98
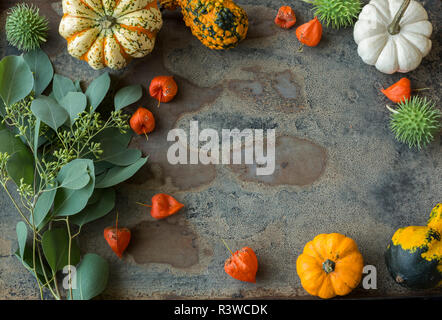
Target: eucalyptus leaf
x,y
74,103
116,153
127,95
36,137
100,177
92,276
97,90
40,65
78,86
49,111
22,236
95,197
27,260
61,86
69,202
117,175
115,135
44,205
124,157
74,175
21,162
21,165
2,109
16,80
94,211
55,243
101,166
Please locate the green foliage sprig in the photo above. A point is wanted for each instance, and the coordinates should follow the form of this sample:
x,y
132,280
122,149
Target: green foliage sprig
x,y
336,13
64,158
415,122
25,28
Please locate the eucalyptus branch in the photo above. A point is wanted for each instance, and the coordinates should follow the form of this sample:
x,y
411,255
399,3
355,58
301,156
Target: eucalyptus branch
x,y
69,256
48,281
65,139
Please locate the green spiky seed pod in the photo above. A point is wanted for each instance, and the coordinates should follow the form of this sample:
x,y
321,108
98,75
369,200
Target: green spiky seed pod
x,y
25,28
415,122
337,13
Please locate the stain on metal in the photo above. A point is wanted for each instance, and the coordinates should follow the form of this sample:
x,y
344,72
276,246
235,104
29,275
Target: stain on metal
x,y
164,242
283,91
298,162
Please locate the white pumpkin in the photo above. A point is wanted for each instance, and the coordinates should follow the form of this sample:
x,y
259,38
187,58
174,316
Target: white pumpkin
x,y
110,32
393,35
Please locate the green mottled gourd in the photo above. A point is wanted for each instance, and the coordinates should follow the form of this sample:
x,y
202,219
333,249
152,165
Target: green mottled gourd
x,y
218,24
414,255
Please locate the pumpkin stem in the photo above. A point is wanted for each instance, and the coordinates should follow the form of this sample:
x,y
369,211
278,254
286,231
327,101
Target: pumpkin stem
x,y
107,22
328,266
394,27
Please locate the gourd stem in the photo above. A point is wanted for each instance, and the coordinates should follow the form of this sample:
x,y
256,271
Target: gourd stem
x,y
328,266
394,27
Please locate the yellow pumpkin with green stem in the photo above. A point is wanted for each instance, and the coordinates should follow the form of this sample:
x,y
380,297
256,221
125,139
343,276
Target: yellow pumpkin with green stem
x,y
330,265
218,24
414,254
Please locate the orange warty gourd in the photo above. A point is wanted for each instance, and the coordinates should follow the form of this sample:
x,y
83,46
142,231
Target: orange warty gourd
x,y
108,33
330,265
218,24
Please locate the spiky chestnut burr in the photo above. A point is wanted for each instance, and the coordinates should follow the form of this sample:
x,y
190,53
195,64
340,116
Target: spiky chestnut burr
x,y
337,13
25,28
415,122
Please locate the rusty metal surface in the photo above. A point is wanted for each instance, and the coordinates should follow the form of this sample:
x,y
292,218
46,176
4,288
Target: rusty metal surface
x,y
338,167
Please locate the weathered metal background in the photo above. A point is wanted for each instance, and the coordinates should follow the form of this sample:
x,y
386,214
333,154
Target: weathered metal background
x,y
339,168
